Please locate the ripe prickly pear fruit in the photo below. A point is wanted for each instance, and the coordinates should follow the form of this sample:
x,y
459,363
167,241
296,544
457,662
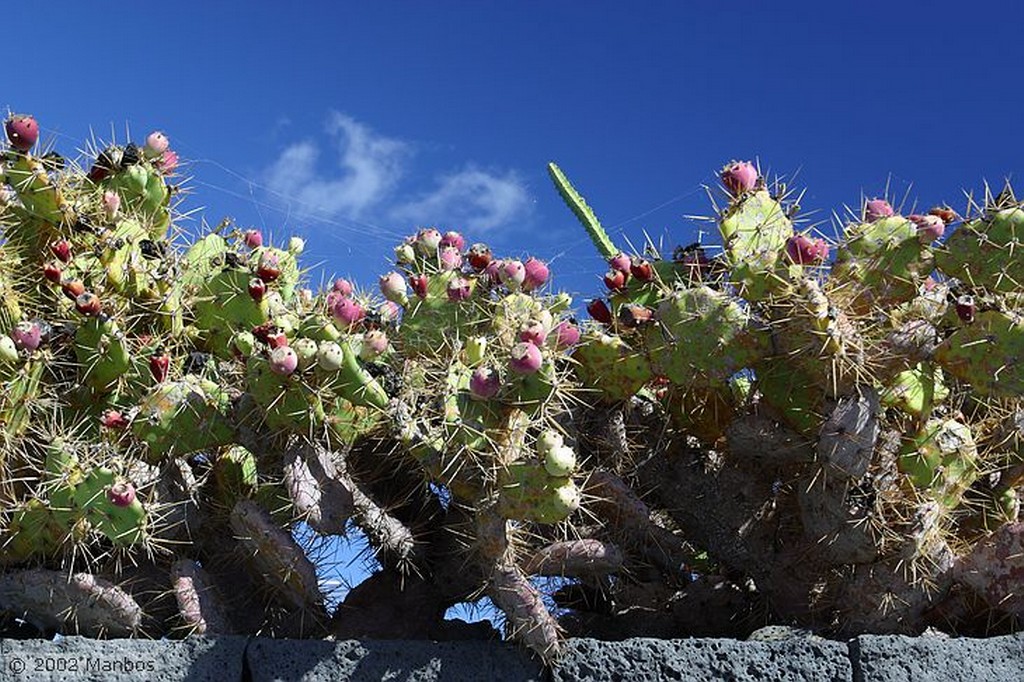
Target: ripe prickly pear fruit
x,y
257,289
62,250
454,240
450,258
427,241
567,334
113,419
536,274
277,339
876,209
479,256
389,311
52,272
329,356
121,494
394,288
620,262
168,162
929,227
525,358
533,332
459,289
484,383
548,440
348,312
269,267
8,351
26,336
22,132
634,315
512,274
642,269
615,280
419,285
965,308
804,250
111,204
598,310
253,238
156,144
560,460
375,342
73,288
342,286
88,304
405,254
945,214
159,366
283,361
739,177
305,351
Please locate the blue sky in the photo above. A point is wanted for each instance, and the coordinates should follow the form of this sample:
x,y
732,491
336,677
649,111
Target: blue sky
x,y
352,123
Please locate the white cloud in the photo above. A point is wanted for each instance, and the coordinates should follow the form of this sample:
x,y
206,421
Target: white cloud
x,y
471,199
368,168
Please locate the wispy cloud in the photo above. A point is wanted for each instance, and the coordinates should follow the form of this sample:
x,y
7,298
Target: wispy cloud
x,y
368,172
470,199
367,169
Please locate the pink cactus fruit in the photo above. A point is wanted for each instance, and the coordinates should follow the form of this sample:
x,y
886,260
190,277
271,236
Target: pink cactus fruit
x,y
930,228
342,286
804,250
121,494
454,240
283,361
111,204
26,336
739,177
168,162
253,238
394,287
450,258
22,132
269,266
156,144
389,311
419,284
458,289
512,274
484,383
525,358
567,334
113,419
533,331
375,342
347,311
876,209
620,263
492,271
536,274
427,241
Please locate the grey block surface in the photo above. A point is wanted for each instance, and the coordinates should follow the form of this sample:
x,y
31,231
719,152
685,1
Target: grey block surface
x,y
893,658
77,659
636,660
320,661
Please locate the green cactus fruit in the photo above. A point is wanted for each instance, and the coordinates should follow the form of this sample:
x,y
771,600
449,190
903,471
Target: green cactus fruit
x,y
986,252
702,337
529,493
915,391
755,230
184,416
609,365
987,354
942,458
881,263
102,353
235,473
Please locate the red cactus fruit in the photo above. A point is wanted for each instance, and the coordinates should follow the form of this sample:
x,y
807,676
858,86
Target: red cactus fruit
x,y
88,304
419,285
484,383
525,358
73,288
121,494
966,308
277,339
458,289
27,336
479,256
739,177
269,267
113,419
62,250
159,366
257,289
633,315
283,361
620,263
454,240
536,274
615,280
945,214
804,250
253,238
22,132
533,332
642,269
52,272
876,209
929,227
598,310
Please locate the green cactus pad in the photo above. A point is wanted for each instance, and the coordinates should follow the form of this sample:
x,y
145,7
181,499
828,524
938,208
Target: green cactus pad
x,y
884,260
223,307
755,231
101,350
915,391
179,417
942,458
987,252
987,354
608,364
